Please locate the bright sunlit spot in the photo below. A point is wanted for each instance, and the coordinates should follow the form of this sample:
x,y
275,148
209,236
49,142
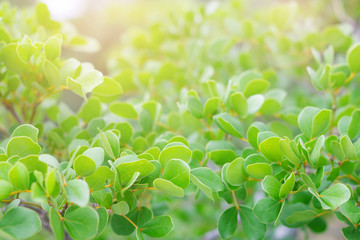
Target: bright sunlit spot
x,y
65,9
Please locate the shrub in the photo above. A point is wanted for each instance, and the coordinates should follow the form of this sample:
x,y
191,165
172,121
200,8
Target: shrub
x,y
207,109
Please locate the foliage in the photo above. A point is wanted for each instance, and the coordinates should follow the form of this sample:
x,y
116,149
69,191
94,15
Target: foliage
x,y
206,106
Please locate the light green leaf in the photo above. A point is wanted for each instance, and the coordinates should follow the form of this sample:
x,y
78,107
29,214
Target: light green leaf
x,y
53,47
159,226
81,223
168,187
56,224
352,58
19,176
259,170
315,154
20,223
123,109
239,104
235,173
127,169
229,124
178,172
84,166
78,192
120,208
5,189
271,185
270,148
287,186
335,195
26,130
175,150
91,109
28,147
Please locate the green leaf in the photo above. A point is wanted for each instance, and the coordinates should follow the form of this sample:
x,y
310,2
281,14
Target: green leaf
x,y
267,210
317,225
168,187
78,192
103,220
315,154
85,83
123,109
255,102
97,180
131,181
208,177
28,147
51,184
227,222
321,122
81,223
139,234
335,195
354,125
294,210
110,143
52,74
351,211
12,60
194,106
19,176
91,109
108,90
253,228
270,148
159,226
5,189
305,120
301,217
289,149
120,208
20,223
352,58
229,124
25,49
239,104
210,108
253,131
121,226
256,86
351,233
126,131
56,224
348,148
271,185
96,154
84,166
178,172
175,150
221,152
26,130
235,173
308,181
127,169
259,170
287,186
53,47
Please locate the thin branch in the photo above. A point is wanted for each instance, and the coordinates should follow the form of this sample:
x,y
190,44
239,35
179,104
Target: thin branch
x,y
11,109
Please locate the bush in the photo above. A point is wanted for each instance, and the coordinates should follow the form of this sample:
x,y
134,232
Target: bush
x,y
207,115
